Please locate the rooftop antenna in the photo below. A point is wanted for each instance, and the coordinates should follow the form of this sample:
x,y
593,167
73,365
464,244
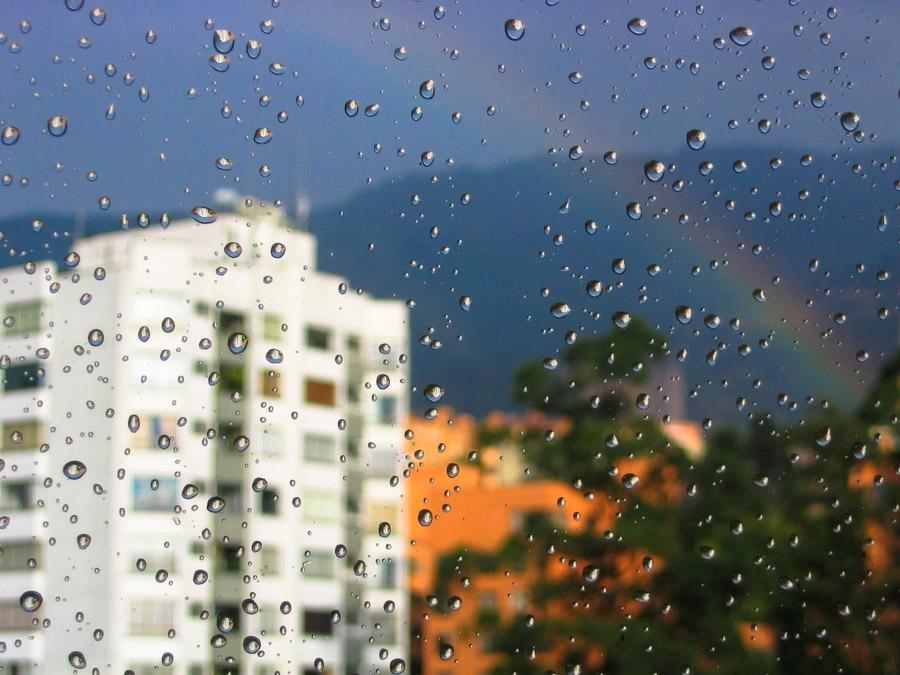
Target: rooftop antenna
x,y
301,196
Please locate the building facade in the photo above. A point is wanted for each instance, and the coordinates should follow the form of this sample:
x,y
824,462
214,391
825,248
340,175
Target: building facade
x,y
199,435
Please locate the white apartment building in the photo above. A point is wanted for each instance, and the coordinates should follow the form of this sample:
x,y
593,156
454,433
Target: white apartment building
x,y
292,446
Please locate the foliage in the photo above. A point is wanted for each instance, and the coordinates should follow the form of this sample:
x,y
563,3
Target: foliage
x,y
762,557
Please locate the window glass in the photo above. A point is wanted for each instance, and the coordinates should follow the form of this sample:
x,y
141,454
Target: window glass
x,y
15,495
23,318
318,338
272,327
321,505
484,337
16,556
317,622
320,392
318,563
319,448
151,618
154,494
23,376
25,434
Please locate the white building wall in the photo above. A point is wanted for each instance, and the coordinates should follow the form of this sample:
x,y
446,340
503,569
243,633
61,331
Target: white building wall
x,y
84,406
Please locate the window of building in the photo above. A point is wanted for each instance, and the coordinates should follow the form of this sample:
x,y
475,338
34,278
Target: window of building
x,y
319,448
321,506
13,618
233,495
23,376
268,502
383,461
317,622
387,574
231,378
229,558
270,619
22,435
318,338
270,559
15,495
151,429
381,512
272,327
150,494
269,381
27,315
383,628
231,322
150,618
318,563
157,559
387,409
227,612
320,392
353,343
17,556
270,442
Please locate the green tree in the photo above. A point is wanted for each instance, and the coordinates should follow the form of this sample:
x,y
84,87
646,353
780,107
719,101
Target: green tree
x,y
756,557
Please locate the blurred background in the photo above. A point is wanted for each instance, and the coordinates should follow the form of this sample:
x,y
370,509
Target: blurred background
x,y
628,271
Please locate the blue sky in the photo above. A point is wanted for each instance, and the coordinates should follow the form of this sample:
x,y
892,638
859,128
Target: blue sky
x,y
161,153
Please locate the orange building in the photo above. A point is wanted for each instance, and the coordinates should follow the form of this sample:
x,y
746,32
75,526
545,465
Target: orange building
x,y
478,498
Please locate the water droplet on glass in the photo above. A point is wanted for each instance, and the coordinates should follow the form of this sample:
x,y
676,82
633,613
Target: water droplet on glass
x,y
10,135
850,121
237,343
203,215
74,469
621,319
696,139
637,26
654,170
57,125
434,393
223,41
219,62
427,89
31,601
254,48
629,480
741,36
560,309
515,29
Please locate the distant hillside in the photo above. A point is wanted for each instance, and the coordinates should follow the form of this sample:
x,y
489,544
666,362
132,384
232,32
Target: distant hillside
x,y
495,250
